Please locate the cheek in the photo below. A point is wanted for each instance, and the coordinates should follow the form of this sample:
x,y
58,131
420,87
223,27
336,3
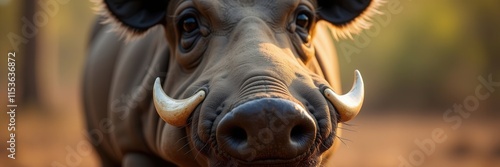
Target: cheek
x,y
170,36
210,111
192,58
303,51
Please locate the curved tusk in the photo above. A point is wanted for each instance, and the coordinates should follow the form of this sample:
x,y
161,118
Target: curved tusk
x,y
349,104
174,112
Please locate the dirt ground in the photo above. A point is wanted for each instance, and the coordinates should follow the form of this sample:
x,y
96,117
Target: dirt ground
x,y
55,138
390,141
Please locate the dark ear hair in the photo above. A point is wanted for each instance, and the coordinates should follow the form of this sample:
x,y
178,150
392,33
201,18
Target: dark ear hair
x,y
134,16
348,16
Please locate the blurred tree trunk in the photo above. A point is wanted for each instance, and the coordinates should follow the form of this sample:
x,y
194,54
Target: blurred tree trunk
x,y
29,82
488,26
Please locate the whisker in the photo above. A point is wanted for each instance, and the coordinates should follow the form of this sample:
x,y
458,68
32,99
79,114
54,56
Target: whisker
x,y
187,152
206,144
182,138
346,129
345,139
183,146
197,150
342,140
348,124
323,144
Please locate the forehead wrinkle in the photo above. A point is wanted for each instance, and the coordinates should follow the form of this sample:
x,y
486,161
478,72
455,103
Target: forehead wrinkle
x,y
204,5
215,10
271,11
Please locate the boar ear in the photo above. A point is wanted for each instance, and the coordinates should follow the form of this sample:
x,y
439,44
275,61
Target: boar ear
x,y
348,16
133,17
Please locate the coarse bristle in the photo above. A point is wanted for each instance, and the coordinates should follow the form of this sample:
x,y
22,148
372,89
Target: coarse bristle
x,y
360,23
121,29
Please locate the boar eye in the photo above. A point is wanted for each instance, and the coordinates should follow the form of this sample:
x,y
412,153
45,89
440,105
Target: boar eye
x,y
188,27
188,24
302,20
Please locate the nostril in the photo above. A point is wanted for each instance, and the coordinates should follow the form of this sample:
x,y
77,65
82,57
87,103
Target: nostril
x,y
300,134
237,135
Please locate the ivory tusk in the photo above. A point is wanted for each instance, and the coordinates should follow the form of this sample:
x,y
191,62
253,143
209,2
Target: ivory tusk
x,y
175,112
349,104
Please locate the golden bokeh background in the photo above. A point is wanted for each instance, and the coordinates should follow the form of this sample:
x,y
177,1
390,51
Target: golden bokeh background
x,y
420,59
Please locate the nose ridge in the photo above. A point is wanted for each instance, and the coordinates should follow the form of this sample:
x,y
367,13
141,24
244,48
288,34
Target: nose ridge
x,y
252,27
268,128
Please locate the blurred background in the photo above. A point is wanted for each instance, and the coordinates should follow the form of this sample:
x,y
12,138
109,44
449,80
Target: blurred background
x,y
419,61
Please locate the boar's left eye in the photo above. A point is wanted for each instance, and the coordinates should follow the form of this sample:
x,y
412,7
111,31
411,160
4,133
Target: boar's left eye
x,y
302,20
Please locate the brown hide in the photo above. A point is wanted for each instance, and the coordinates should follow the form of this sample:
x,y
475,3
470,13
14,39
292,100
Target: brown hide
x,y
247,50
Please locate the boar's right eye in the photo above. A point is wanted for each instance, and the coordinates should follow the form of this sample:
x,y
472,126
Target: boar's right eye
x,y
302,20
188,27
189,24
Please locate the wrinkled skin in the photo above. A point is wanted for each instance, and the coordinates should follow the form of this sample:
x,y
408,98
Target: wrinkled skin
x,y
255,62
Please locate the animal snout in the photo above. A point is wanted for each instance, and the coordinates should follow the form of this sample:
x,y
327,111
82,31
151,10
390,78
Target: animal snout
x,y
265,129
